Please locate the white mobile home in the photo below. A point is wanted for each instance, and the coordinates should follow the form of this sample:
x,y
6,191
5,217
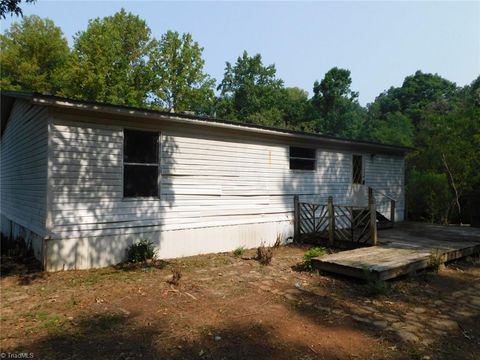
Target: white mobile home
x,y
81,181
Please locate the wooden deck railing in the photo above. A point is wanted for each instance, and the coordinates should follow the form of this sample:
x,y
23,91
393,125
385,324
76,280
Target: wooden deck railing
x,y
338,223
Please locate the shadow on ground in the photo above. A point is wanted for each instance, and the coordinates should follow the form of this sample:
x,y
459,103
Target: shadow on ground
x,y
27,269
118,337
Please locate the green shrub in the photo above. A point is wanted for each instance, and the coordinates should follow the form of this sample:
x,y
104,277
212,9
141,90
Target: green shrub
x,y
239,251
428,196
374,285
310,254
140,251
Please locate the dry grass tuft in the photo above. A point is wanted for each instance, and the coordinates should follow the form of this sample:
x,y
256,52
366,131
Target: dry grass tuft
x,y
264,255
176,276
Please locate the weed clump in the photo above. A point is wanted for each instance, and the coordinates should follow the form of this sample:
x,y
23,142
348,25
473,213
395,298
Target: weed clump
x,y
435,260
310,254
176,276
264,255
278,241
140,251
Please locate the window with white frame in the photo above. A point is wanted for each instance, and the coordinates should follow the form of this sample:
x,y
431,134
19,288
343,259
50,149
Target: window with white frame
x,y
140,163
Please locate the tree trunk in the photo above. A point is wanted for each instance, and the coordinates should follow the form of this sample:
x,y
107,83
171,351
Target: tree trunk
x,y
452,182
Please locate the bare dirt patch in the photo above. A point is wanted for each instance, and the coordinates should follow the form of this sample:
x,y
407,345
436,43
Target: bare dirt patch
x,y
235,308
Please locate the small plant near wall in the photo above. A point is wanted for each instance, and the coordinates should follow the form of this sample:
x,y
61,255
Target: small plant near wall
x,y
310,254
264,255
140,251
436,260
278,241
239,251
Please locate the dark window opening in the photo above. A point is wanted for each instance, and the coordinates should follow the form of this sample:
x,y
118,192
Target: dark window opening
x,y
302,158
357,169
140,163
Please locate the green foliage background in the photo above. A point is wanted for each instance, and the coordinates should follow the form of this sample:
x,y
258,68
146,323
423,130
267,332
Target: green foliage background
x,y
117,60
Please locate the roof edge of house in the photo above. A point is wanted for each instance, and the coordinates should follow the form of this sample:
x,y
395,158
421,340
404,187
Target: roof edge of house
x,y
63,102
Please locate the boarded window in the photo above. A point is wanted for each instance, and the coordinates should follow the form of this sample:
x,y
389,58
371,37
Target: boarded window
x,y
357,169
302,158
140,163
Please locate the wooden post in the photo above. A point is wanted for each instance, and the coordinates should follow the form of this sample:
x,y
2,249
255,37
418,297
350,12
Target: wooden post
x,y
373,216
331,221
296,218
392,211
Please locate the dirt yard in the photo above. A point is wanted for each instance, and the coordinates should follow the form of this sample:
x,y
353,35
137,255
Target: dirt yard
x,y
228,307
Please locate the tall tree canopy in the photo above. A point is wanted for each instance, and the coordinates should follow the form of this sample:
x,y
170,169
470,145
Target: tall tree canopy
x,y
11,7
250,91
442,122
110,61
180,81
335,109
32,53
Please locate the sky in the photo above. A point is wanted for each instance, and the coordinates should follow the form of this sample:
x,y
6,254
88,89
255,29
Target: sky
x,y
379,42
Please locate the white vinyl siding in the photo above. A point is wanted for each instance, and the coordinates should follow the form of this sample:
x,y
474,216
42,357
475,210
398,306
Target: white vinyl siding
x,y
23,169
207,180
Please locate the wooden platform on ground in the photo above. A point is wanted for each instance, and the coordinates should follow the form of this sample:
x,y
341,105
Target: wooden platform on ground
x,y
404,249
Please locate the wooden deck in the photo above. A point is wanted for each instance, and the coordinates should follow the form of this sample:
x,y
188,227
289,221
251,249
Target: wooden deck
x,y
404,249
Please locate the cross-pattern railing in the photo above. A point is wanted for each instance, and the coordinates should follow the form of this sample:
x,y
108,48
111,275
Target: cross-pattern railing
x,y
352,223
337,223
313,218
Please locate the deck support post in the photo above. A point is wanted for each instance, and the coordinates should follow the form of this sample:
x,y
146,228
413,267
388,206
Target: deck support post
x,y
392,212
296,218
331,221
373,216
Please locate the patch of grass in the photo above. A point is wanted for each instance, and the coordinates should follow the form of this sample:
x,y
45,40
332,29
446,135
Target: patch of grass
x,y
310,254
415,354
92,278
40,315
51,322
435,260
72,302
374,285
239,251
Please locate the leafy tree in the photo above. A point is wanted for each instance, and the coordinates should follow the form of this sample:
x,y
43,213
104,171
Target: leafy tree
x,y
388,126
12,7
419,95
441,122
333,87
451,146
33,52
396,128
249,89
110,61
335,109
428,193
425,93
181,83
294,105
